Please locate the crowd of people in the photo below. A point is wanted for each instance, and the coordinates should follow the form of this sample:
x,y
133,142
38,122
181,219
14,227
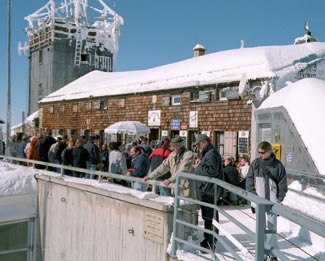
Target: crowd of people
x,y
163,162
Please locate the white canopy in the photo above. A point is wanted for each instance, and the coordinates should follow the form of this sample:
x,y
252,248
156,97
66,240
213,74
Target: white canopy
x,y
128,127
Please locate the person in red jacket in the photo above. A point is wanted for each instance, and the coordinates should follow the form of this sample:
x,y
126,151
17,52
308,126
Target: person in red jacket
x,y
156,158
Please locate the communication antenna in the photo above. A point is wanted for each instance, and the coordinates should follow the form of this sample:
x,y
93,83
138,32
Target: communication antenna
x,y
242,84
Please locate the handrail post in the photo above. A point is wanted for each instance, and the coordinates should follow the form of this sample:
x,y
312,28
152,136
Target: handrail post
x,y
175,225
260,232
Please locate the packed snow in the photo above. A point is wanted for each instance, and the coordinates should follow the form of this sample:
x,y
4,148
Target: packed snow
x,y
16,180
224,66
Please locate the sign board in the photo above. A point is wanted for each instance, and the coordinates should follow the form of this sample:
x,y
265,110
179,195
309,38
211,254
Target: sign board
x,y
193,119
164,133
277,150
154,118
175,124
154,226
183,133
289,157
266,134
243,142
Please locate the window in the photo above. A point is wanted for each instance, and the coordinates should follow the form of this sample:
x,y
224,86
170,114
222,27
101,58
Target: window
x,y
100,105
103,105
176,100
227,93
40,91
223,93
84,57
220,142
166,101
88,106
200,96
75,108
121,103
195,97
40,56
62,108
51,109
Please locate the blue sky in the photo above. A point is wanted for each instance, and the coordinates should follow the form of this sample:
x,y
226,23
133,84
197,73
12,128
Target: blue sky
x,y
161,32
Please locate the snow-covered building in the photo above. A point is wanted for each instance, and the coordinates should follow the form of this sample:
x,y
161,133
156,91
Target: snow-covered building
x,y
297,129
214,93
66,41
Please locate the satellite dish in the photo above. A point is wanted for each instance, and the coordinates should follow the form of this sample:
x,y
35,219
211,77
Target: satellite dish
x,y
242,84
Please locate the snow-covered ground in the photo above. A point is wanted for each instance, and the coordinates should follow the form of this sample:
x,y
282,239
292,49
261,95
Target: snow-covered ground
x,y
15,179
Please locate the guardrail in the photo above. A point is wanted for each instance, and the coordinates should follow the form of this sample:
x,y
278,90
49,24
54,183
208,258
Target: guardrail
x,y
263,207
100,174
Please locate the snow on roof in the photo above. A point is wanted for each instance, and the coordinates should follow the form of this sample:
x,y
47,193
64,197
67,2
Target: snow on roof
x,y
304,101
31,117
198,46
224,66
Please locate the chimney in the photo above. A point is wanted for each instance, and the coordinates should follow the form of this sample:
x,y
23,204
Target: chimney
x,y
198,50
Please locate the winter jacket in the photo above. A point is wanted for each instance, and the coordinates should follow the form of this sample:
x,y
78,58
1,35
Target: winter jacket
x,y
157,157
80,156
209,166
59,147
93,152
259,183
140,166
45,146
117,162
231,175
176,163
66,156
33,153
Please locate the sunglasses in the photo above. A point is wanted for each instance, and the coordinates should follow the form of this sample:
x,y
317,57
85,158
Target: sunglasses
x,y
262,152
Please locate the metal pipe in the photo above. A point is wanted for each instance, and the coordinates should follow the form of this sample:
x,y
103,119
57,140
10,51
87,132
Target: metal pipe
x,y
9,81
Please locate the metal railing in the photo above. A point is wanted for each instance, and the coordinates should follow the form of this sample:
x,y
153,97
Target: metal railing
x,y
263,207
101,174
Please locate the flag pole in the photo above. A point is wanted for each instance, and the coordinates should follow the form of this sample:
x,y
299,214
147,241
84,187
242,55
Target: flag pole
x,y
9,81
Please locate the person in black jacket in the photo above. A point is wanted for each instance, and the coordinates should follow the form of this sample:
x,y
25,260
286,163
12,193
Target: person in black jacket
x,y
94,158
232,177
80,156
67,158
267,179
210,165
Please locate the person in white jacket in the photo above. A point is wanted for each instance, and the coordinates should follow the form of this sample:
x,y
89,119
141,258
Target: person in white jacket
x,y
117,162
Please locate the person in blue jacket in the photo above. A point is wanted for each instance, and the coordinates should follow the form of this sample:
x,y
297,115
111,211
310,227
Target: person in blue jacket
x,y
140,167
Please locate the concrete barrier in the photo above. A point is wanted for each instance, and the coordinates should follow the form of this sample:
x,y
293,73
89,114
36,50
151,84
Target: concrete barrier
x,y
80,221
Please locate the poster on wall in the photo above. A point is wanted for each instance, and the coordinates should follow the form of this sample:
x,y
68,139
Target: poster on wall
x,y
154,118
193,119
243,142
266,135
183,135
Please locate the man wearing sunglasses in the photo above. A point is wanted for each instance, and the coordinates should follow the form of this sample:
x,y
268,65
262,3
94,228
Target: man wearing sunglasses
x,y
267,178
